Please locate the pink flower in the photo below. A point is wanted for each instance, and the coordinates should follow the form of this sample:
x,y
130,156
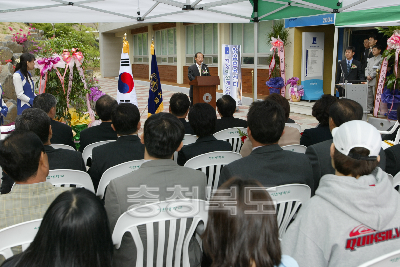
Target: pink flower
x,y
10,28
34,28
24,34
21,30
29,33
30,28
30,24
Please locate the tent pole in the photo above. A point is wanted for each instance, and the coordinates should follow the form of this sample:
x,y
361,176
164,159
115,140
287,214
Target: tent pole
x,y
334,63
255,20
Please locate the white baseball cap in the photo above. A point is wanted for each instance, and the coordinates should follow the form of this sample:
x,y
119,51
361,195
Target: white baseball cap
x,y
357,133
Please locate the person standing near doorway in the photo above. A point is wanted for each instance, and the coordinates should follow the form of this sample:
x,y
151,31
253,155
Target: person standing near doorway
x,y
370,73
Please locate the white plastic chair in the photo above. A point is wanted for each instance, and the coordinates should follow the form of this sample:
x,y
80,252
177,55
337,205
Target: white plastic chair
x,y
87,151
211,164
177,213
288,199
390,259
187,140
232,136
115,172
396,180
295,148
68,177
394,128
57,146
16,235
294,125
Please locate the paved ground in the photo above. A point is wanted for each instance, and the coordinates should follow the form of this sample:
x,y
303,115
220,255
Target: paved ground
x,y
109,86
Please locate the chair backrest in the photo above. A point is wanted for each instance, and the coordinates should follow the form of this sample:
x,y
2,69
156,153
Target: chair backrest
x,y
211,164
152,215
288,200
16,235
390,259
396,180
232,136
115,172
187,140
57,146
87,151
295,148
294,125
66,178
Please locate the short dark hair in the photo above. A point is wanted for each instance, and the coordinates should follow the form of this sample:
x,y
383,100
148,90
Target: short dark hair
x,y
344,110
320,110
35,120
74,230
373,36
235,239
202,119
226,106
125,118
44,102
163,133
266,120
179,104
104,107
352,48
195,55
20,155
377,47
355,167
281,101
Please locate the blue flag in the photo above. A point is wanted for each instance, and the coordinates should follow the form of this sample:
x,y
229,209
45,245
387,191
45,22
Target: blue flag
x,y
155,93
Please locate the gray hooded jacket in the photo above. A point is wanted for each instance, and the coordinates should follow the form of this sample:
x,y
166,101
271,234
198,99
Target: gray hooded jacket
x,y
348,222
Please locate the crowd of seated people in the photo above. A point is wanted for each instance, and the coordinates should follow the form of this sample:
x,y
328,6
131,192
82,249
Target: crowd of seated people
x,y
352,201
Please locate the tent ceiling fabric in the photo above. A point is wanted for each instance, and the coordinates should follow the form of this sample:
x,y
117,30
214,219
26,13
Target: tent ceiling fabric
x,y
86,11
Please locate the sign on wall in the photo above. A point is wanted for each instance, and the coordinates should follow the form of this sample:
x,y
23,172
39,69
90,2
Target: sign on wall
x,y
232,73
312,65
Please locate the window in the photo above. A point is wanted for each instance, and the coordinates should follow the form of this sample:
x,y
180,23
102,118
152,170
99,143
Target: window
x,y
140,53
202,38
165,45
243,34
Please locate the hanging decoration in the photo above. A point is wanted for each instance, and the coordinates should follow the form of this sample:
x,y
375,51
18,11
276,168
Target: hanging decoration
x,y
47,64
278,46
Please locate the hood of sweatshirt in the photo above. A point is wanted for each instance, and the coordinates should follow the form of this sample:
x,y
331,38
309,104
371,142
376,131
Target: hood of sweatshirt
x,y
370,199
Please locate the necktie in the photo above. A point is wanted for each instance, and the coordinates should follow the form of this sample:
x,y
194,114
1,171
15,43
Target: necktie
x,y
200,70
348,66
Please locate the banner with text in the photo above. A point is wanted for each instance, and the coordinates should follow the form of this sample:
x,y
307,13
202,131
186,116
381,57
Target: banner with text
x,y
232,72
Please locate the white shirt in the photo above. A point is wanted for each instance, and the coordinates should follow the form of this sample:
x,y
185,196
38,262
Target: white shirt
x,y
19,89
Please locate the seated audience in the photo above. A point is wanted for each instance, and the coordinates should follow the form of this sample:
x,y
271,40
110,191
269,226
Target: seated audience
x,y
179,107
291,135
74,232
162,136
126,122
268,163
202,119
393,153
62,133
103,132
226,107
239,235
37,121
354,215
23,158
320,111
341,111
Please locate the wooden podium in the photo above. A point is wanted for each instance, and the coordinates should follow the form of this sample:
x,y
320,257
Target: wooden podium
x,y
204,89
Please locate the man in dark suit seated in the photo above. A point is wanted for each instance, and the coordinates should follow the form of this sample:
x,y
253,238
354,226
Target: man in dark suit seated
x,y
349,69
268,163
343,110
161,179
226,107
126,122
62,133
202,119
37,121
103,132
179,107
197,69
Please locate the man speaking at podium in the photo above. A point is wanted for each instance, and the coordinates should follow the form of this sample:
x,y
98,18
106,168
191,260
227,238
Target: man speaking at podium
x,y
197,69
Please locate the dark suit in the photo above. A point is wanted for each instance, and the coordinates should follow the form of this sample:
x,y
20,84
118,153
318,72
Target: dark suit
x,y
58,159
364,58
102,132
126,148
315,135
357,73
393,159
193,71
202,145
271,166
186,124
160,174
320,158
229,122
62,134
